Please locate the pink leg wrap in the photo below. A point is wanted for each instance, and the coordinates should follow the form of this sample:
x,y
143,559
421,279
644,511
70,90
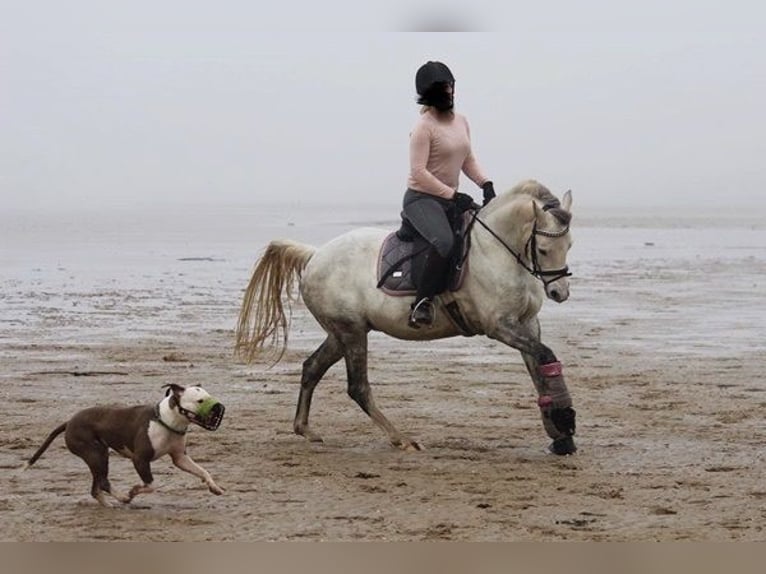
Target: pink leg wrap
x,y
544,401
556,394
550,370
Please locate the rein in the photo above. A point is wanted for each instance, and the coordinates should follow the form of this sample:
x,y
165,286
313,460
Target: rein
x,y
547,276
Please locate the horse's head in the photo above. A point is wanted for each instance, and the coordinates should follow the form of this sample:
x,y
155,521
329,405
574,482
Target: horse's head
x,y
548,245
538,233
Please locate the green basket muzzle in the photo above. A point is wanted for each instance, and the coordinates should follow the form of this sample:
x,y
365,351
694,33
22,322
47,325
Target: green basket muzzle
x,y
209,414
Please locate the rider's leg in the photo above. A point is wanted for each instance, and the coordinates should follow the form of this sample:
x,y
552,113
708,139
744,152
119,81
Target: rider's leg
x,y
428,216
430,281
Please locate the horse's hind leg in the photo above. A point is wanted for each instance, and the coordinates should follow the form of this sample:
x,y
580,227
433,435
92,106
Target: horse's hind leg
x,y
314,368
355,353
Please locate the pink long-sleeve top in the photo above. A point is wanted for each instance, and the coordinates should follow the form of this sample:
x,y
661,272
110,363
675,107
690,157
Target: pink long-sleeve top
x,y
440,148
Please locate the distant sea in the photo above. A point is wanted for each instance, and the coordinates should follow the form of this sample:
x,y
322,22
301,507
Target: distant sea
x,y
700,279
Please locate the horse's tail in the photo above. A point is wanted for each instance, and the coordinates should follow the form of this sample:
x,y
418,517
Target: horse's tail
x,y
262,317
43,447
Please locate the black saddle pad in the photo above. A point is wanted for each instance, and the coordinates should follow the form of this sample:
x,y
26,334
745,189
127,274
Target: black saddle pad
x,y
395,266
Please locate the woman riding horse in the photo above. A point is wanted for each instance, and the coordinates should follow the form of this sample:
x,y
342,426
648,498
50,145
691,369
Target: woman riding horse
x,y
517,257
440,147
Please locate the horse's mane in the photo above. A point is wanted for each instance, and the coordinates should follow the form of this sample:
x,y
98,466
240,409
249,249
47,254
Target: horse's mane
x,y
537,190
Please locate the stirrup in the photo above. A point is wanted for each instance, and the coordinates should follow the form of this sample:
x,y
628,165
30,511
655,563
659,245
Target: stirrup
x,y
422,314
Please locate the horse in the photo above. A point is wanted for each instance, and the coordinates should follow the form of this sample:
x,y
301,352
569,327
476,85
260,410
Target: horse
x,y
518,245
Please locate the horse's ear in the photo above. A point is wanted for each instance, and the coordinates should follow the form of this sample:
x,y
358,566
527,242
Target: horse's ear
x,y
566,201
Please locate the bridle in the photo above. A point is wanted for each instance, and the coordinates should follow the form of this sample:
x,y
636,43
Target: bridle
x,y
547,276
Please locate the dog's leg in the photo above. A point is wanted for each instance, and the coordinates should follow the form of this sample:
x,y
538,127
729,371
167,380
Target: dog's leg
x,y
98,462
96,456
185,462
124,498
139,489
144,470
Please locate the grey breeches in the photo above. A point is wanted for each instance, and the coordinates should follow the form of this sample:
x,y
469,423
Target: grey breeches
x,y
428,215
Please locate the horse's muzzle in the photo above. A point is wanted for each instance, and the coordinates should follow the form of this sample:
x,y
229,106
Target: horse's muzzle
x,y
558,291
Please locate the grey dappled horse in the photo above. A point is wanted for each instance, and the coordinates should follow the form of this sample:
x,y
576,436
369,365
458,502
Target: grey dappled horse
x,y
518,249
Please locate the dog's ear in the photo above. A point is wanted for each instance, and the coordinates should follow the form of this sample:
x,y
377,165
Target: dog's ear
x,y
177,390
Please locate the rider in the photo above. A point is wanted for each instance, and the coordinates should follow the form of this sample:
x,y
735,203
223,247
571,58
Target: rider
x,y
440,148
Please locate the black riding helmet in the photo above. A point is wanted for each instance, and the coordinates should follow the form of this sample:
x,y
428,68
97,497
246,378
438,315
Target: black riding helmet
x,y
430,82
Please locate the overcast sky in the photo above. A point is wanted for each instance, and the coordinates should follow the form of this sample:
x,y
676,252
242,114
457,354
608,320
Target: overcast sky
x,y
103,103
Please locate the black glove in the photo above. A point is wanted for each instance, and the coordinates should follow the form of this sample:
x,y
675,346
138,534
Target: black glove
x,y
463,201
489,191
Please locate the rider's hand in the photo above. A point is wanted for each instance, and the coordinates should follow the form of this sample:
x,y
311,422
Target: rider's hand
x,y
463,201
489,191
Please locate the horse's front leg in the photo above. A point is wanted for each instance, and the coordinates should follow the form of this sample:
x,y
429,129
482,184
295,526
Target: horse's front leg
x,y
552,394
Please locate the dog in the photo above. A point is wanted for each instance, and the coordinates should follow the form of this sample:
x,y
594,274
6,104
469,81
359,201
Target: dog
x,y
141,433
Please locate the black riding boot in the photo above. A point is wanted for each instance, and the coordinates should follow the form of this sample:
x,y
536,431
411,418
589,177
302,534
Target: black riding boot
x,y
430,282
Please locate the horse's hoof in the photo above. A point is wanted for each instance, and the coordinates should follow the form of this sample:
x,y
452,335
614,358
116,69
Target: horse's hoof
x,y
562,446
309,435
408,445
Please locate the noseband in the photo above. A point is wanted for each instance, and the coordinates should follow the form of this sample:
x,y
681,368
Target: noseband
x,y
547,276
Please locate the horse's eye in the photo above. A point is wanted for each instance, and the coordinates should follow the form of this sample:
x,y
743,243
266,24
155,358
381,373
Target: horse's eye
x,y
543,252
200,400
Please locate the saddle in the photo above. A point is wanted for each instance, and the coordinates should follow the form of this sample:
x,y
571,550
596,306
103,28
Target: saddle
x,y
403,251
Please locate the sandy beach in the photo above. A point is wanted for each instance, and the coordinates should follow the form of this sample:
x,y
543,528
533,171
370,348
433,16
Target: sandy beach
x,y
662,341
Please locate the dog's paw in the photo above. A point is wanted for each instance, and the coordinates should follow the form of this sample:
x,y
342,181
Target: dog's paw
x,y
101,498
124,498
215,489
139,489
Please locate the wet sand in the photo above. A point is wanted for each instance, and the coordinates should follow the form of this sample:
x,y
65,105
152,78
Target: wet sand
x,y
664,360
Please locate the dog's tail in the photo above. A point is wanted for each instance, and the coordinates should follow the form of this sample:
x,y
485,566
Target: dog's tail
x,y
56,432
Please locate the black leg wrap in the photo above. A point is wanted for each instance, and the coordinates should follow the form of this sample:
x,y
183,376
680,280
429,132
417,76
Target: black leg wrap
x,y
564,420
562,446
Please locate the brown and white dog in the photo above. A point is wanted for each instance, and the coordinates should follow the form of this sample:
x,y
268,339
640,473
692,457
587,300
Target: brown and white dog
x,y
141,433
